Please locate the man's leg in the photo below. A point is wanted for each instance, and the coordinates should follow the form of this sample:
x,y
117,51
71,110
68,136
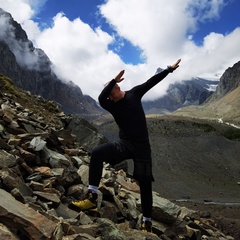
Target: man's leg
x,y
146,197
100,154
112,153
146,202
143,173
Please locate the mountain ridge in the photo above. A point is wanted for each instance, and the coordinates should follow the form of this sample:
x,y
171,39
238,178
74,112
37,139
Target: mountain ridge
x,y
223,104
30,69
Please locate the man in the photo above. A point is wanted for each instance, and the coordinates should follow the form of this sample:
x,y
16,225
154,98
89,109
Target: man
x,y
126,108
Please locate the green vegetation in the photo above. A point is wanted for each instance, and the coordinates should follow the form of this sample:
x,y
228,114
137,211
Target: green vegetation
x,y
6,84
206,127
232,134
41,107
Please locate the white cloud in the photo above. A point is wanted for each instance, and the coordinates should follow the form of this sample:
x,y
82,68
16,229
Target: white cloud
x,y
79,53
157,28
204,10
19,9
162,29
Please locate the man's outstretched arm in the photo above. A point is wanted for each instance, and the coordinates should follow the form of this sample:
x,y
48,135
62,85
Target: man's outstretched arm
x,y
143,88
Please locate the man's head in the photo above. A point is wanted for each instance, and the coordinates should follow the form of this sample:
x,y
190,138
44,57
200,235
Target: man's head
x,y
116,93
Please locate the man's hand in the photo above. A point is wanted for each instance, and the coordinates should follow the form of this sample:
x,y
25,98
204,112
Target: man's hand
x,y
176,64
119,78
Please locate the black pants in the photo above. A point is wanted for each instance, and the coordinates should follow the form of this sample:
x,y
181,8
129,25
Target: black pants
x,y
116,152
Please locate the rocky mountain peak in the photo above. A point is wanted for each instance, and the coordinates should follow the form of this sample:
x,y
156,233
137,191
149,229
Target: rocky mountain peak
x,y
30,69
229,81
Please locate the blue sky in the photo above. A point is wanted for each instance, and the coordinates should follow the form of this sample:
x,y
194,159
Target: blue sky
x,y
88,12
90,41
228,20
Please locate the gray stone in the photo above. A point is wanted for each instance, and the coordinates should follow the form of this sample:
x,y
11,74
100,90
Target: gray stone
x,y
49,197
7,159
83,173
109,231
66,213
55,159
37,143
164,210
27,221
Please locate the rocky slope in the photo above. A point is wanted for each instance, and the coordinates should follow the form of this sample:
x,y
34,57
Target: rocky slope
x,y
43,167
229,81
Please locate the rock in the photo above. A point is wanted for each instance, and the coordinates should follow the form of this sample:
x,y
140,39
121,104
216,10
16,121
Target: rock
x,y
27,221
37,143
132,186
51,198
164,210
109,230
5,233
83,173
86,134
7,160
66,213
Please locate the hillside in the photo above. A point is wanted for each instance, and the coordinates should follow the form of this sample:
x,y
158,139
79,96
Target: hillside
x,y
40,174
224,104
196,164
192,158
226,108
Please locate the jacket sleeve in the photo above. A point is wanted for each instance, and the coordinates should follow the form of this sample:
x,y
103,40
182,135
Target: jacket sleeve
x,y
140,90
103,98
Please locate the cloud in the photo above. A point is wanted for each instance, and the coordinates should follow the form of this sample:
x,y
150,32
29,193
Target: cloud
x,y
80,53
22,10
26,55
19,9
204,10
162,29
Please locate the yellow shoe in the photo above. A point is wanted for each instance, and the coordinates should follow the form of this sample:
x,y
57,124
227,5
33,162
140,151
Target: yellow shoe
x,y
146,226
90,202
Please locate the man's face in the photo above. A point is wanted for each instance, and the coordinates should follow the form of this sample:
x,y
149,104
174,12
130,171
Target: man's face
x,y
114,95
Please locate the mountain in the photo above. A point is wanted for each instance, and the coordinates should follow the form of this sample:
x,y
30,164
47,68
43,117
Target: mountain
x,y
229,81
224,104
30,69
180,94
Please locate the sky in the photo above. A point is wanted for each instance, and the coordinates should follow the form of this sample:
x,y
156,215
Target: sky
x,y
90,41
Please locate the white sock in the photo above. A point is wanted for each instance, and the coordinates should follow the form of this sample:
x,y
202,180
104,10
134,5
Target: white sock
x,y
147,219
93,189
